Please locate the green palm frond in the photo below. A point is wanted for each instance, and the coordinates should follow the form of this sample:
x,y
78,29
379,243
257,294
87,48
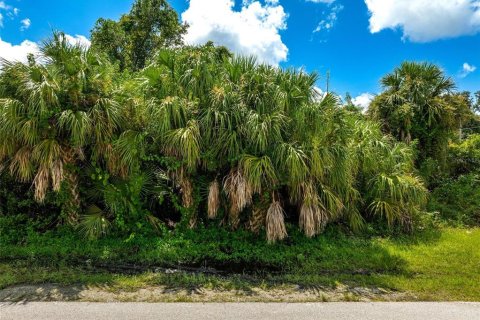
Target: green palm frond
x,y
259,172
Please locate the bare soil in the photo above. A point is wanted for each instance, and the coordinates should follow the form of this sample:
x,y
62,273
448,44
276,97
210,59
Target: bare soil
x,y
82,293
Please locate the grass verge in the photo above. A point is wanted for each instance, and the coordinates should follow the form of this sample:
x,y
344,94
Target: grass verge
x,y
432,266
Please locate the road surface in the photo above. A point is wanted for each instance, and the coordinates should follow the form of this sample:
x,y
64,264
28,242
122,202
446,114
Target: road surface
x,y
239,311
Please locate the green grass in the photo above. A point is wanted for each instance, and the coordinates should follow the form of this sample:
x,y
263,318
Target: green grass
x,y
434,265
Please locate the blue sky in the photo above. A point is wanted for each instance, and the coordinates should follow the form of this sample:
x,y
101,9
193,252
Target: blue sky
x,y
358,41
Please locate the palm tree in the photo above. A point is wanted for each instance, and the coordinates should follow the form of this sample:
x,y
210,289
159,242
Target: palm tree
x,y
55,113
261,138
415,106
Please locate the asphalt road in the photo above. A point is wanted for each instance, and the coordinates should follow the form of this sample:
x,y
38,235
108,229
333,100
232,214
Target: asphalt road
x,y
239,311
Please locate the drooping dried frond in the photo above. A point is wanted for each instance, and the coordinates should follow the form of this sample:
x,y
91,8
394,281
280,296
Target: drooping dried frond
x,y
57,175
21,164
240,193
184,183
313,217
308,220
275,222
41,183
213,199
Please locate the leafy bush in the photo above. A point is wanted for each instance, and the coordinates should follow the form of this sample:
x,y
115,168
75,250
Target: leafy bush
x,y
458,200
465,156
232,136
234,252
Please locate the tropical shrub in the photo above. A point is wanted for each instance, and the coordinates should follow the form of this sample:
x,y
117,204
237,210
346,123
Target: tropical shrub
x,y
457,200
419,104
465,156
58,113
266,141
222,137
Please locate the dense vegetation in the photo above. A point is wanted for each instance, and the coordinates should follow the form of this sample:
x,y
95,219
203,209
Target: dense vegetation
x,y
141,141
222,137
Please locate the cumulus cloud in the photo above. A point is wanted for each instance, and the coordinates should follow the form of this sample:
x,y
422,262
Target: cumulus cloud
x,y
26,23
253,30
425,20
19,52
78,40
363,101
467,69
319,94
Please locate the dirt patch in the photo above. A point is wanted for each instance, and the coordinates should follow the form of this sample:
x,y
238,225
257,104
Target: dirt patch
x,y
54,292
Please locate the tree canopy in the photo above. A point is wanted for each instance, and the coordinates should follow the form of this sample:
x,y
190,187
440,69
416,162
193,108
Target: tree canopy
x,y
133,40
419,104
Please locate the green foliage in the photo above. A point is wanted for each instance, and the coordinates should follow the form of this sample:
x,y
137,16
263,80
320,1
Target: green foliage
x,y
436,265
418,104
197,115
465,156
56,116
265,132
134,39
457,201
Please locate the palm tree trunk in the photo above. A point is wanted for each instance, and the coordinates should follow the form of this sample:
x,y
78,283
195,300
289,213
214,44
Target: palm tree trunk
x,y
72,206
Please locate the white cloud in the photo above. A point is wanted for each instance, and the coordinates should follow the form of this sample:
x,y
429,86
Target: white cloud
x,y
329,20
4,6
254,30
321,1
467,69
20,52
9,11
17,52
25,24
78,40
363,101
319,94
425,20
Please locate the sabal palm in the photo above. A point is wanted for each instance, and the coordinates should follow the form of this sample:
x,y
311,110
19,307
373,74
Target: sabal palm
x,y
414,106
53,113
262,132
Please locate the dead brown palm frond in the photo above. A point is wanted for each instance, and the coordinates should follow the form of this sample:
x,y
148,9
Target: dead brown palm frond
x,y
213,199
240,193
21,164
308,220
183,181
41,183
275,222
80,154
56,173
313,218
